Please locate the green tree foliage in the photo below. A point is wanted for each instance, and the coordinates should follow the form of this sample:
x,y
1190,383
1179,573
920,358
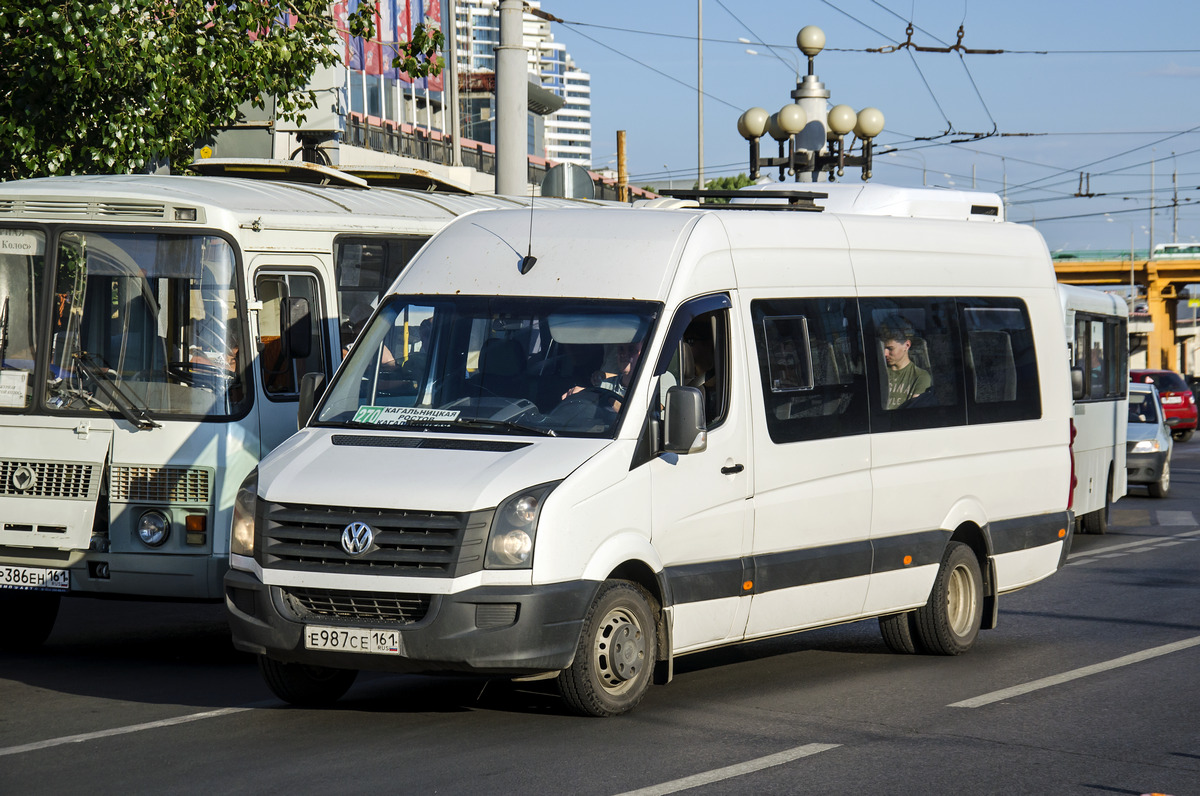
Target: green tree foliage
x,y
97,88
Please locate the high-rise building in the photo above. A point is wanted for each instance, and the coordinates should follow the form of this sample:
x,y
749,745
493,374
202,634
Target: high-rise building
x,y
568,131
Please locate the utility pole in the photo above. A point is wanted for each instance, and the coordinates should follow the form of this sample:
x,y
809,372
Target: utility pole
x,y
512,102
455,122
700,92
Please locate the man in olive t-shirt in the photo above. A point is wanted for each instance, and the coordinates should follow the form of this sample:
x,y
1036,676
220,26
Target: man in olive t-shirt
x,y
905,380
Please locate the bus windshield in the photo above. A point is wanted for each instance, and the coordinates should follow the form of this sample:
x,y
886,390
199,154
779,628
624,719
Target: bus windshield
x,y
493,364
145,324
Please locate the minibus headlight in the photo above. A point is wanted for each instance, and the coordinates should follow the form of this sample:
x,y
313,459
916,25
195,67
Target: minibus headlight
x,y
514,528
153,528
241,539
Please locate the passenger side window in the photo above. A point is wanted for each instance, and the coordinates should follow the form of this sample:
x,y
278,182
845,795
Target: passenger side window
x,y
918,372
811,367
1002,375
366,268
1101,356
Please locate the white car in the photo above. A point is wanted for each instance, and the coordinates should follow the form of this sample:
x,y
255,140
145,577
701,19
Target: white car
x,y
1148,452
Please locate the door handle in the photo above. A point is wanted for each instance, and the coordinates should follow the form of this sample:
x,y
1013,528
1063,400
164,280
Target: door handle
x,y
737,468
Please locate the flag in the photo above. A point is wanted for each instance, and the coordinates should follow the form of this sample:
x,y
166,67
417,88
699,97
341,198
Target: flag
x,y
401,31
431,16
372,60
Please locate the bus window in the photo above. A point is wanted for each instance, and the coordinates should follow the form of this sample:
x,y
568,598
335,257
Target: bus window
x,y
366,268
281,370
22,254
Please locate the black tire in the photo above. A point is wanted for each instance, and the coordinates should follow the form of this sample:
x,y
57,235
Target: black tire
x,y
1184,436
949,623
899,632
26,618
615,658
1162,486
303,685
1097,521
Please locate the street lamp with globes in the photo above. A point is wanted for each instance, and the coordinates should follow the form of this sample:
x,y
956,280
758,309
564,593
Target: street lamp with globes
x,y
811,139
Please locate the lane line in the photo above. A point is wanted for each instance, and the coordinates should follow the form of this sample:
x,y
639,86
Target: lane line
x,y
1075,674
729,772
1127,545
92,736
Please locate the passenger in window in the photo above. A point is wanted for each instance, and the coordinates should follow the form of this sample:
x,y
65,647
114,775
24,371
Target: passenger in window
x,y
704,371
905,381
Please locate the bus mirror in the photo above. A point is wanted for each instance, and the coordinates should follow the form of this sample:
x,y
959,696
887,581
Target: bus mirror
x,y
312,385
684,421
297,328
1076,383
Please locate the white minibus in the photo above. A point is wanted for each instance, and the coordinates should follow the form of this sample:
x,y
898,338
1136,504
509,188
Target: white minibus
x,y
1097,327
640,433
153,332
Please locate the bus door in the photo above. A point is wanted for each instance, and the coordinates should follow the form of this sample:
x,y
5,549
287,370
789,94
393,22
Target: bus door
x,y
291,309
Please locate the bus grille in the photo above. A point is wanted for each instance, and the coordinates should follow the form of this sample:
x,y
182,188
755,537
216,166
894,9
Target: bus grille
x,y
365,606
65,480
411,543
153,484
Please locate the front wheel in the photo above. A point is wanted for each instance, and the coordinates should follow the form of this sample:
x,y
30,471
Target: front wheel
x,y
949,623
616,653
1184,436
303,685
1162,486
26,618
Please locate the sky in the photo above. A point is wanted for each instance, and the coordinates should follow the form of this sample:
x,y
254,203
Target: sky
x,y
1103,88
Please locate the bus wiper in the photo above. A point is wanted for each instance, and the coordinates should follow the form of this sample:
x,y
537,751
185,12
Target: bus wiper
x,y
113,392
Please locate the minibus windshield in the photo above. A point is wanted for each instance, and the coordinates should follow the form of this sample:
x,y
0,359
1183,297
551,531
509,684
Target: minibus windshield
x,y
493,364
22,258
145,325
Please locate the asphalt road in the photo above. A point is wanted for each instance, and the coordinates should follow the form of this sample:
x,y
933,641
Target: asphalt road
x,y
1089,685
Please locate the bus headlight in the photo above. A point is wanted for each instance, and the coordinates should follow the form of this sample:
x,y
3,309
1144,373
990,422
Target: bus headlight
x,y
153,528
514,528
241,538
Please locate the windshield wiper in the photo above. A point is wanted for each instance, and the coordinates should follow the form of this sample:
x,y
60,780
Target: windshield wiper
x,y
113,392
507,425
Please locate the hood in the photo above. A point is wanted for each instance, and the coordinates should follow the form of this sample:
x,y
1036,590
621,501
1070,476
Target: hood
x,y
1140,431
422,472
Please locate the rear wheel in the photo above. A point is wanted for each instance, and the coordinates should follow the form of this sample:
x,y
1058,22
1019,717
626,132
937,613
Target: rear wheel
x,y
304,685
899,632
949,623
1162,486
26,618
1097,521
616,653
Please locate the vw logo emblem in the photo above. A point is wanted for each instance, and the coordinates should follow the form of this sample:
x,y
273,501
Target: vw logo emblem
x,y
357,538
23,478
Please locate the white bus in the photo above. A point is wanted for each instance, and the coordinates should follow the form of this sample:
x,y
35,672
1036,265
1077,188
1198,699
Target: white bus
x,y
686,428
153,332
1098,348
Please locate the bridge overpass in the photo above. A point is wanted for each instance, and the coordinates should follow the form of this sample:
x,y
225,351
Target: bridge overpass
x,y
1162,279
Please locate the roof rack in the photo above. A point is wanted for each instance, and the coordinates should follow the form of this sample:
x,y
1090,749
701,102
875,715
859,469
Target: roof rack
x,y
267,169
796,199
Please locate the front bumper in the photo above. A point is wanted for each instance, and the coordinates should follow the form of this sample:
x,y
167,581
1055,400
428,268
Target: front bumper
x,y
1145,468
509,630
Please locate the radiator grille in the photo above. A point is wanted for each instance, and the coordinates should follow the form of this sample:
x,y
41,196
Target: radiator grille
x,y
154,484
420,543
69,480
364,606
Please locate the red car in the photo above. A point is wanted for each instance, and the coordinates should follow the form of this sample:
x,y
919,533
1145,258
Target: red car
x,y
1178,403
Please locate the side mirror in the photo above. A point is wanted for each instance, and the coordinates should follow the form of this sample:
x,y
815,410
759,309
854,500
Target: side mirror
x,y
297,327
684,421
1076,383
312,386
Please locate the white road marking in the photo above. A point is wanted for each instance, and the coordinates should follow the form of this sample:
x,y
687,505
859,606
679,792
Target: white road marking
x,y
1106,552
92,736
729,772
1075,674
